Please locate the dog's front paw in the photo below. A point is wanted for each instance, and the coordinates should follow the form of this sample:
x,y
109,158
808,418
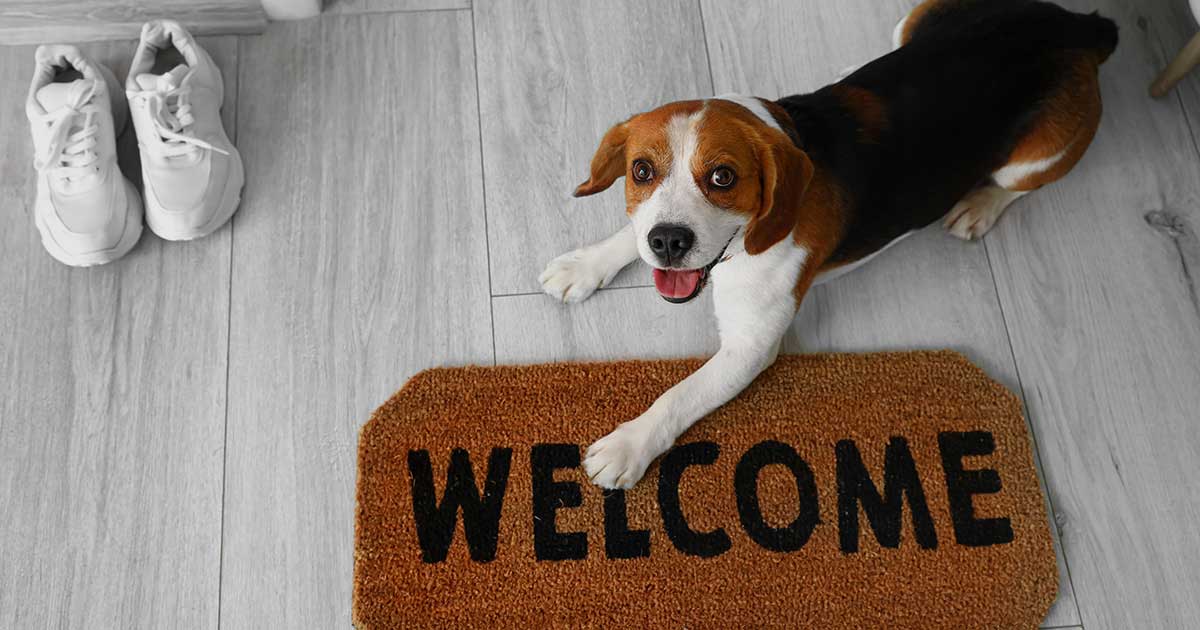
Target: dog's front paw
x,y
619,459
574,276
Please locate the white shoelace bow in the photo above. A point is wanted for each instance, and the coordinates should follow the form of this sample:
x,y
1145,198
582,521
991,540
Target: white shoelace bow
x,y
71,155
171,114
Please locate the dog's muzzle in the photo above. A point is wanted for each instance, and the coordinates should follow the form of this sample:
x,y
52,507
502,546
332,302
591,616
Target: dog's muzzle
x,y
683,285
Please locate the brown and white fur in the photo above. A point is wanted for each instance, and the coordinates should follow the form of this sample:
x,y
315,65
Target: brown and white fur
x,y
815,181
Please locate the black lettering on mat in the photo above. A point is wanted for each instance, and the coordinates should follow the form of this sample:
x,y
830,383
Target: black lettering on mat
x,y
900,480
550,495
481,515
620,542
745,487
961,484
670,472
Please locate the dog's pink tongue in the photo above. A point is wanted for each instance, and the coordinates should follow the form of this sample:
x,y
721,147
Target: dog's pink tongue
x,y
676,283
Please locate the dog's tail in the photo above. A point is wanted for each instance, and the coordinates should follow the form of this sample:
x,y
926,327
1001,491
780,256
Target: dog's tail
x,y
1038,26
1057,28
1094,32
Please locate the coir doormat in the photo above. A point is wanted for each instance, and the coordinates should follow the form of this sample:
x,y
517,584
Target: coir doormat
x,y
839,491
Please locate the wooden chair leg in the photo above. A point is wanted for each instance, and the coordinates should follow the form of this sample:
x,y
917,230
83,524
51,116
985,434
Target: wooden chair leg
x,y
1187,59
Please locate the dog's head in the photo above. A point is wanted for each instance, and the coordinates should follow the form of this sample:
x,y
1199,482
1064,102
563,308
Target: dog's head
x,y
696,173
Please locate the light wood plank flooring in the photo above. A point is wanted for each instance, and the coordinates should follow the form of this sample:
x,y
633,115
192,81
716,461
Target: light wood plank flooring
x,y
113,408
369,192
178,429
40,21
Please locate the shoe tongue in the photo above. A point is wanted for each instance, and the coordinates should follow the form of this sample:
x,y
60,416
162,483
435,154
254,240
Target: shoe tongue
x,y
163,82
55,95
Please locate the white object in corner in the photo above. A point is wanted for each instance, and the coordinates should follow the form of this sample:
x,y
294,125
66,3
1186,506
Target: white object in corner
x,y
291,9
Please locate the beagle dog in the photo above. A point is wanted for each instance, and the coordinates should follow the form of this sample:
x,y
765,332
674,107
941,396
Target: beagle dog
x,y
981,102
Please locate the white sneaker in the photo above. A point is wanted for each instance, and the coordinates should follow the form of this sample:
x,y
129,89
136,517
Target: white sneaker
x,y
191,173
86,211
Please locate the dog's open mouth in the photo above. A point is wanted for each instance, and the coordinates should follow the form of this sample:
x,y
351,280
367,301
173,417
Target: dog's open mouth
x,y
680,285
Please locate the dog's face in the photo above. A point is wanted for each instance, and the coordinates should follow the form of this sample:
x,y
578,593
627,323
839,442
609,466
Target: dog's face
x,y
696,174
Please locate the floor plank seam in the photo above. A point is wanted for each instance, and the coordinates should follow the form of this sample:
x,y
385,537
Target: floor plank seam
x,y
530,293
1187,120
380,12
228,343
487,247
712,83
1012,353
1170,223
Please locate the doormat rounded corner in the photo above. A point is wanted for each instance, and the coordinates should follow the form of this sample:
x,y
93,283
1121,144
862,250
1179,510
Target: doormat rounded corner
x,y
844,490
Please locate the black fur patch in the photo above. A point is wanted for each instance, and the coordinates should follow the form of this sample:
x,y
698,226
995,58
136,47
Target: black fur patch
x,y
957,98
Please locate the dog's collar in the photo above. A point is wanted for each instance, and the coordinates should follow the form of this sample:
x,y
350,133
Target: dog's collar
x,y
722,257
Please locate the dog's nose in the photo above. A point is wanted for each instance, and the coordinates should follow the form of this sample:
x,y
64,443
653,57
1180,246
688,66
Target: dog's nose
x,y
670,242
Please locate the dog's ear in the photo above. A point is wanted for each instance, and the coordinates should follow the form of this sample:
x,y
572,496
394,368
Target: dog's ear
x,y
609,162
785,173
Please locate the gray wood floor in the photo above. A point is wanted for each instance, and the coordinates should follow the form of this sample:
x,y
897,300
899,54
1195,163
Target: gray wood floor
x,y
178,429
34,21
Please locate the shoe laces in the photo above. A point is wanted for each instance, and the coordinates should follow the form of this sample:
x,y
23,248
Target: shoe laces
x,y
71,153
171,113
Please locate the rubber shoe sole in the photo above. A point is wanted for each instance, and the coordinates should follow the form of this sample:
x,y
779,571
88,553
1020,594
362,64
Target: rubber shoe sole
x,y
129,237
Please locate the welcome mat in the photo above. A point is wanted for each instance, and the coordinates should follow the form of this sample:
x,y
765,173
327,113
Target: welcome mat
x,y
841,491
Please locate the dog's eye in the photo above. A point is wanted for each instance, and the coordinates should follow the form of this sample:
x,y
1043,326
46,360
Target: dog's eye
x,y
642,171
722,177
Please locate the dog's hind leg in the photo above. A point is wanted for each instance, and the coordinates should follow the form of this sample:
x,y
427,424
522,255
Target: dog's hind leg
x,y
1050,147
575,275
972,217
